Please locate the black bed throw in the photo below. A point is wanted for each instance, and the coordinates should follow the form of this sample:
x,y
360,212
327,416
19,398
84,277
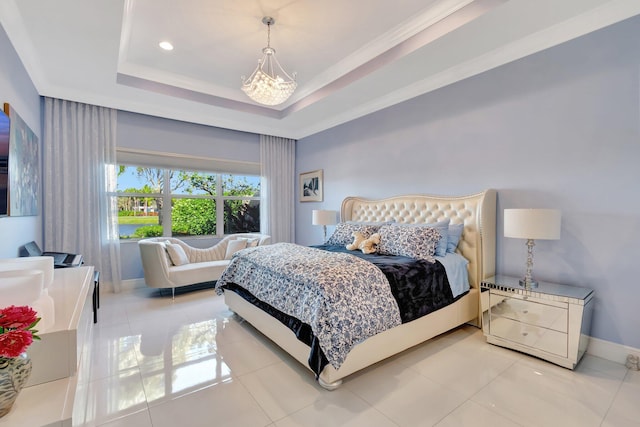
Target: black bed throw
x,y
419,287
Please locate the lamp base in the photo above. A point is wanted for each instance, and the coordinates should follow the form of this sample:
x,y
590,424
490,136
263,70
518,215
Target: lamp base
x,y
528,284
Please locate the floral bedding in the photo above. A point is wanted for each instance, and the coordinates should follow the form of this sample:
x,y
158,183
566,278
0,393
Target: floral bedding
x,y
343,298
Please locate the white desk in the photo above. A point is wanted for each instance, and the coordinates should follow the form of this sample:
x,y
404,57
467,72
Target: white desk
x,y
58,366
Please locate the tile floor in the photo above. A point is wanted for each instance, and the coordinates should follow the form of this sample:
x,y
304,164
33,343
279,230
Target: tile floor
x,y
191,362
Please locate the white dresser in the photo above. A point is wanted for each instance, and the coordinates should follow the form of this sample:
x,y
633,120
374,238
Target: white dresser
x,y
551,322
60,358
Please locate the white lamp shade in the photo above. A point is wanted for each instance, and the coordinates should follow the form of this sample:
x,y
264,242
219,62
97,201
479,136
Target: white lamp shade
x,y
322,217
532,223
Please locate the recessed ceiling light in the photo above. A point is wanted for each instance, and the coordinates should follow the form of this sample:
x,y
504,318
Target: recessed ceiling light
x,y
165,45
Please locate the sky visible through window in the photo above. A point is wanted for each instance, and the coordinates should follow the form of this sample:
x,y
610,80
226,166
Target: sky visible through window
x,y
129,179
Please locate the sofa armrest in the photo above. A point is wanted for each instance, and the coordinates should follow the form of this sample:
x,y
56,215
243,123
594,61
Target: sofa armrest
x,y
155,263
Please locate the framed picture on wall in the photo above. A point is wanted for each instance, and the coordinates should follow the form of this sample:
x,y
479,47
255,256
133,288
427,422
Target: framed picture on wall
x,y
311,188
24,167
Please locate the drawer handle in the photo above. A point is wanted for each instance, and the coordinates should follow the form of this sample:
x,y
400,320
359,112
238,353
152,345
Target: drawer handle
x,y
524,334
525,311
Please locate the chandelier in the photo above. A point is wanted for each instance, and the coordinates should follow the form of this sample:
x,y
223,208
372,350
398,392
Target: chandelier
x,y
269,84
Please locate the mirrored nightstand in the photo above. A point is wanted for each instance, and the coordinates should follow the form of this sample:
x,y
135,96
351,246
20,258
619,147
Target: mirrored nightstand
x,y
551,322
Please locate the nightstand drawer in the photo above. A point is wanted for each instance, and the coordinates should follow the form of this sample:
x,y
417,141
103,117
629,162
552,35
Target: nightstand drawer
x,y
530,311
531,336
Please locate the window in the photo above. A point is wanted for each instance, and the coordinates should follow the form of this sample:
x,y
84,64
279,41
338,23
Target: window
x,y
155,202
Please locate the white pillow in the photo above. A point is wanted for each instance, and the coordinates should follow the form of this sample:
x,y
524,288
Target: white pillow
x,y
234,246
177,255
251,243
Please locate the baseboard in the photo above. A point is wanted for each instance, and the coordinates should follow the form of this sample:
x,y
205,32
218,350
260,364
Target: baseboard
x,y
131,284
610,351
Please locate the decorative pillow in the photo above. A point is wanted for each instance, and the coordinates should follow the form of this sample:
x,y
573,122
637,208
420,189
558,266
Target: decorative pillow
x,y
409,241
177,255
251,242
343,235
234,246
455,232
443,228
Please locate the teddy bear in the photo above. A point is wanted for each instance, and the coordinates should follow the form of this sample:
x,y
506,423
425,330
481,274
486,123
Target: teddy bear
x,y
366,245
370,245
358,238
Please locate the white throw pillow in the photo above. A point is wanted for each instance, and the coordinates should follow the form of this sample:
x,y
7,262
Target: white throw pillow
x,y
177,255
234,246
251,243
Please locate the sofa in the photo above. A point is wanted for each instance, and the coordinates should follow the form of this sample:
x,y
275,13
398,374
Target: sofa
x,y
170,263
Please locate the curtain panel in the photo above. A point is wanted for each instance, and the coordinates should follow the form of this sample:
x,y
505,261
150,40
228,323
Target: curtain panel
x,y
277,158
80,206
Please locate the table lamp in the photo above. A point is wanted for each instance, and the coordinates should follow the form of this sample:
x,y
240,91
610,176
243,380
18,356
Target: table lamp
x,y
324,218
531,224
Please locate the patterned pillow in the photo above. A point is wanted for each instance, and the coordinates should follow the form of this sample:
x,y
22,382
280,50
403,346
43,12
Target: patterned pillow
x,y
343,235
409,241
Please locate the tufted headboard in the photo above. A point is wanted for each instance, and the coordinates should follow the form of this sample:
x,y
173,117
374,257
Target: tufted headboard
x,y
476,211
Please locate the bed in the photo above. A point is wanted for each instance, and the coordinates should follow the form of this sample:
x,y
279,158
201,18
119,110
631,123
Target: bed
x,y
477,213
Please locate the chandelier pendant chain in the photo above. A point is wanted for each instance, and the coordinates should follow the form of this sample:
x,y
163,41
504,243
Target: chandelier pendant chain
x,y
270,70
269,33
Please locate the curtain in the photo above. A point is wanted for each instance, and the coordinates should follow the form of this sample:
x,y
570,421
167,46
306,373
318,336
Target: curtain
x,y
277,158
80,203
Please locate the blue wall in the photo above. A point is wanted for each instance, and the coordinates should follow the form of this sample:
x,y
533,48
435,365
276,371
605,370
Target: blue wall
x,y
142,132
559,129
17,89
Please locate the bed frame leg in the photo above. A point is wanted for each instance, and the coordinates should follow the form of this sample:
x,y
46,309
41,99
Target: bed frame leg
x,y
329,386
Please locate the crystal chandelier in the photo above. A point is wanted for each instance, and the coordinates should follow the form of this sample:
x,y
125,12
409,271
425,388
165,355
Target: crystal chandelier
x,y
269,84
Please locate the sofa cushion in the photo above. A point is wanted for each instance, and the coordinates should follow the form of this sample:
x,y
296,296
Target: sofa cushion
x,y
177,255
197,272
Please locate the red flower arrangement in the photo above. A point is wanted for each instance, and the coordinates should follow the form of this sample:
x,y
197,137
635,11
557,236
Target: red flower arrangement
x,y
17,330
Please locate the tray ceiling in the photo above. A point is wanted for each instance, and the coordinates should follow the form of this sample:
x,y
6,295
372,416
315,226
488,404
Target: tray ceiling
x,y
351,57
